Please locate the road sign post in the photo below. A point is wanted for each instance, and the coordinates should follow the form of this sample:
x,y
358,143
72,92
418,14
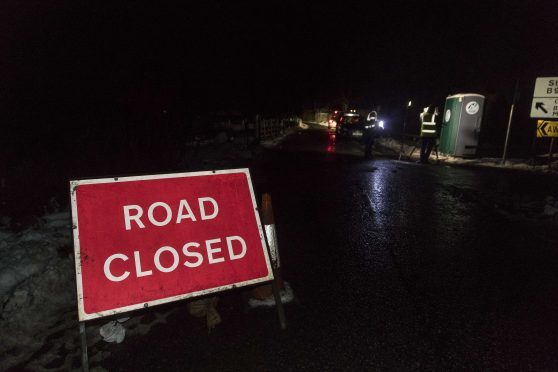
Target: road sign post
x,y
84,357
149,240
409,104
550,153
515,99
271,240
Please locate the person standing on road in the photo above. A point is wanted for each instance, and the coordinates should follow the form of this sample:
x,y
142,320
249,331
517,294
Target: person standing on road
x,y
428,132
369,133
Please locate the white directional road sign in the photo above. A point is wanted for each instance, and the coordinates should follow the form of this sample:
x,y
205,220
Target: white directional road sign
x,y
546,87
545,98
544,108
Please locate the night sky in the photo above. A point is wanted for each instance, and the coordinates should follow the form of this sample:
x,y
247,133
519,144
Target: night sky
x,y
87,87
71,58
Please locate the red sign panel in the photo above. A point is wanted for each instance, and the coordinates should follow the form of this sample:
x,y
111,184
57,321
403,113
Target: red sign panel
x,y
143,241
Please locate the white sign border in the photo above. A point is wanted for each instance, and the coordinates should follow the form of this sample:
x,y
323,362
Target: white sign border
x,y
540,82
83,316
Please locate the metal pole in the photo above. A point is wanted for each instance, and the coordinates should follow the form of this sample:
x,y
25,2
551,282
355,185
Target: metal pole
x,y
404,126
278,302
504,155
550,154
514,101
266,215
84,358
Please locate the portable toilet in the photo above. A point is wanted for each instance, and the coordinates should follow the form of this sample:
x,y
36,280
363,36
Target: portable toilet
x,y
461,123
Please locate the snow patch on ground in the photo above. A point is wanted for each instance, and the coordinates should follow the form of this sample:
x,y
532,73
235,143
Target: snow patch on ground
x,y
37,285
277,140
392,146
551,207
287,295
38,313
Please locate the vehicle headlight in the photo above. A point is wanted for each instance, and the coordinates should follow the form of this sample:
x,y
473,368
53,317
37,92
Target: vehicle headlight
x,y
381,124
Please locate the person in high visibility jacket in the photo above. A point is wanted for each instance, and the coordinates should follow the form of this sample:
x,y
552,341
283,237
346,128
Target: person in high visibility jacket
x,y
370,127
428,132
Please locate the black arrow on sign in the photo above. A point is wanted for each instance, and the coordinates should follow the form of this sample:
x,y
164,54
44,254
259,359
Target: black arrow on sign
x,y
540,106
542,128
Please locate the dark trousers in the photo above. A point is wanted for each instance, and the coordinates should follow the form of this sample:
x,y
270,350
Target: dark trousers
x,y
426,148
368,143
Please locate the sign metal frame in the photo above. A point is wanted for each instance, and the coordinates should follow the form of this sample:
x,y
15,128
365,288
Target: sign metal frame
x,y
83,316
272,272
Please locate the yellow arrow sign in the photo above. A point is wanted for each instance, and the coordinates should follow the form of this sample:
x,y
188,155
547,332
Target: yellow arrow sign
x,y
547,128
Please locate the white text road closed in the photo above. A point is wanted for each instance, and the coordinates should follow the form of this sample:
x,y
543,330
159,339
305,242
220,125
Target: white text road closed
x,y
148,240
544,108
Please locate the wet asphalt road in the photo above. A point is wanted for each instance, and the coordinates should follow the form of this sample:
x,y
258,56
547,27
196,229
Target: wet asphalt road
x,y
395,266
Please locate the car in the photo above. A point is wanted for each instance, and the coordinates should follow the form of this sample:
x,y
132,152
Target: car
x,y
359,127
352,124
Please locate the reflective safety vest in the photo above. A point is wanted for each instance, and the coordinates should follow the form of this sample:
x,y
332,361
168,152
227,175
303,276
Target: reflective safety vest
x,y
428,125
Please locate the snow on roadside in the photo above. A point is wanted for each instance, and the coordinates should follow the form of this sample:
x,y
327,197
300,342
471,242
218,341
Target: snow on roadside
x,y
37,280
287,295
270,143
38,316
37,285
551,207
38,313
392,146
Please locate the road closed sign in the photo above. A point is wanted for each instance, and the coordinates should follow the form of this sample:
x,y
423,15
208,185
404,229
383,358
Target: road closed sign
x,y
148,240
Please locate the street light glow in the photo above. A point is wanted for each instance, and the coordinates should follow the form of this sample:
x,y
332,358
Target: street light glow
x,y
410,104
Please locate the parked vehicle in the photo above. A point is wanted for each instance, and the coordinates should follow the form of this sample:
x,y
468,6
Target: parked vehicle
x,y
334,119
363,129
352,124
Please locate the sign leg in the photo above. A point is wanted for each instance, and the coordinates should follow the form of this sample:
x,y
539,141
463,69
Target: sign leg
x,y
84,358
515,99
550,154
278,302
412,151
404,126
269,238
401,150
